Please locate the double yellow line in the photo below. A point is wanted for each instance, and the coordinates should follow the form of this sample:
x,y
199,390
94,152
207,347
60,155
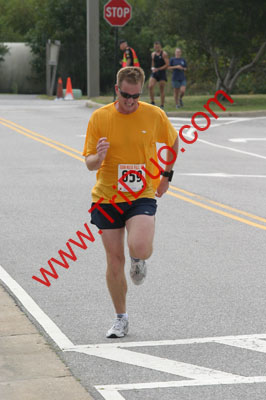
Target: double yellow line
x,y
204,202
196,200
42,139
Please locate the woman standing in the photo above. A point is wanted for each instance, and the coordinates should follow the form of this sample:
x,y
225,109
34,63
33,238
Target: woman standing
x,y
178,65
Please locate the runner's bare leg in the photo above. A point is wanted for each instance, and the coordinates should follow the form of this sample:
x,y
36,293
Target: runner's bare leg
x,y
152,83
140,234
113,241
162,85
176,95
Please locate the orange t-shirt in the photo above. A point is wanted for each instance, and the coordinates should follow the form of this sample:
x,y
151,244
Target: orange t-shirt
x,y
132,139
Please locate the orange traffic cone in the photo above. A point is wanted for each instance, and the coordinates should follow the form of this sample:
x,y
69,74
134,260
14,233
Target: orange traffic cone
x,y
59,91
69,92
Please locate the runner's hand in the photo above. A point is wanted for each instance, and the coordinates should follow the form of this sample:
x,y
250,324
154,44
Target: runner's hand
x,y
102,148
163,187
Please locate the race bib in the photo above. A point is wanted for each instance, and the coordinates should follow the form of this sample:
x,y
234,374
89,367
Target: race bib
x,y
131,175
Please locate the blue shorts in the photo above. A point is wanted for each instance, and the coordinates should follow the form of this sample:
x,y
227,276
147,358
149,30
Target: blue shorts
x,y
140,206
178,84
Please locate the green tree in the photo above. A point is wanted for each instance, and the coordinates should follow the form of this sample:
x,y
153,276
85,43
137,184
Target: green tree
x,y
16,18
63,20
139,33
231,34
146,26
3,51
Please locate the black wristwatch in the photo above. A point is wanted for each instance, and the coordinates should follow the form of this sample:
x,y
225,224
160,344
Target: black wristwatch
x,y
168,175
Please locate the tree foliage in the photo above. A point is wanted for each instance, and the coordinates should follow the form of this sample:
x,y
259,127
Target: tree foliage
x,y
232,34
63,20
16,18
224,42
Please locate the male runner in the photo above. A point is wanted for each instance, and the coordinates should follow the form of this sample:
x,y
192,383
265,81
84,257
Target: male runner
x,y
121,139
159,65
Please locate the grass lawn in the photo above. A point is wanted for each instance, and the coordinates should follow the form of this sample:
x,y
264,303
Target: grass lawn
x,y
242,102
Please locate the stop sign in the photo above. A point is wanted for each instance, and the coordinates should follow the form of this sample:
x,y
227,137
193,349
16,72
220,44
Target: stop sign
x,y
117,12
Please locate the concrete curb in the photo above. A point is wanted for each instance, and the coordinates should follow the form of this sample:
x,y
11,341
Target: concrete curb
x,y
30,369
93,104
188,114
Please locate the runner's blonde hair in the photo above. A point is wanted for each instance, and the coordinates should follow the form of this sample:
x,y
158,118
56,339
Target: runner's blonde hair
x,y
133,75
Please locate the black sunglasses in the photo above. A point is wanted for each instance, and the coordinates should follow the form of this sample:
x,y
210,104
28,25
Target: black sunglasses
x,y
127,95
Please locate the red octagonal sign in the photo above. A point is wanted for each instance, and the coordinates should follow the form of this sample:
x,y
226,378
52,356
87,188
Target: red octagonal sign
x,y
117,12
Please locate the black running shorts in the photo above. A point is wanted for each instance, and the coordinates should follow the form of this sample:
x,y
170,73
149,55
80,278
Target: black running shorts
x,y
142,206
159,75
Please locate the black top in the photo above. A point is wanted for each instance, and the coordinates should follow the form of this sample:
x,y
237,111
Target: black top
x,y
158,60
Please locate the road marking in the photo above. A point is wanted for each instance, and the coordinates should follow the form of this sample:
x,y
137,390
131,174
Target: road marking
x,y
168,192
43,320
253,344
110,392
189,132
45,140
195,375
217,211
174,342
245,140
220,175
155,363
232,149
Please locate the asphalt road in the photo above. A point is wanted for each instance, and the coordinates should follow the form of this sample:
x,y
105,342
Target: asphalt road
x,y
198,324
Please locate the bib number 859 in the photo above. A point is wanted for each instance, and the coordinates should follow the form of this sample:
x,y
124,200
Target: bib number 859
x,y
131,177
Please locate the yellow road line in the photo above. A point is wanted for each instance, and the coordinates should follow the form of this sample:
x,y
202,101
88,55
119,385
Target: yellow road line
x,y
217,211
219,204
48,142
43,141
38,135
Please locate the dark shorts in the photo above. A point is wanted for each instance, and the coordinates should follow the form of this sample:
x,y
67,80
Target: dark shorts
x,y
141,206
159,75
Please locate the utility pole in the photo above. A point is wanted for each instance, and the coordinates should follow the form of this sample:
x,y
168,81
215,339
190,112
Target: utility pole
x,y
93,45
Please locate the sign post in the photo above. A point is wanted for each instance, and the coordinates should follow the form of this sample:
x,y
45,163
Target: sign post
x,y
52,55
117,13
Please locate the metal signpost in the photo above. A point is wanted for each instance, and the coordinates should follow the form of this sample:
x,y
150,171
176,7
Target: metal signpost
x,y
52,55
117,13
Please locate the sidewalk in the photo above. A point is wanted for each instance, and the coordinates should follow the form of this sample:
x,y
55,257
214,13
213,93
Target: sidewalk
x,y
29,368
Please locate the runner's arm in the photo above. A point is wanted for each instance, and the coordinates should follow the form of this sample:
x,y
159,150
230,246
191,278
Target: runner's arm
x,y
94,161
152,60
169,156
171,65
166,60
164,182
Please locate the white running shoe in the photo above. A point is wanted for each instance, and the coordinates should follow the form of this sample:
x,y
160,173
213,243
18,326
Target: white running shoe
x,y
119,329
138,271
